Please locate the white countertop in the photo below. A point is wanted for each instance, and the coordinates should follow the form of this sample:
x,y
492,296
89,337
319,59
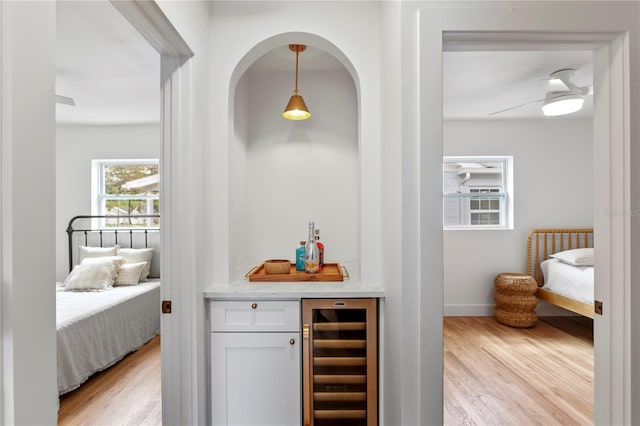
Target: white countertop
x,y
242,288
292,290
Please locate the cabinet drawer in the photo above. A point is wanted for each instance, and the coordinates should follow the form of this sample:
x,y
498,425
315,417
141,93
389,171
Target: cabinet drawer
x,y
249,315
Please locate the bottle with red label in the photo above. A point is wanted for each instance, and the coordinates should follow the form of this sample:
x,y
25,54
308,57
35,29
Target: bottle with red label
x,y
320,248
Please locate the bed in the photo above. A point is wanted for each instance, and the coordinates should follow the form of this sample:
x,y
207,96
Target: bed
x,y
98,324
561,262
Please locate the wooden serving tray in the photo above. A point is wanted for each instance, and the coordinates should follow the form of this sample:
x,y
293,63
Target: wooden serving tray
x,y
330,272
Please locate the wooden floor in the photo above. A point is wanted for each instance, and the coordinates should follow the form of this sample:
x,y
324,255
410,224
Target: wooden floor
x,y
493,375
500,375
128,393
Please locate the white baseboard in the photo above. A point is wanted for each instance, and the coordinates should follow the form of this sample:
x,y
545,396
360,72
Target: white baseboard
x,y
468,310
543,309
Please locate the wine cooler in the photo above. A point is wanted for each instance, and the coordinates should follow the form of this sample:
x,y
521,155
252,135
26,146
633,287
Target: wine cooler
x,y
340,368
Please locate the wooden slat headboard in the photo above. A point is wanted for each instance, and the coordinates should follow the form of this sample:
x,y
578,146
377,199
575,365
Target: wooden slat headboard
x,y
544,242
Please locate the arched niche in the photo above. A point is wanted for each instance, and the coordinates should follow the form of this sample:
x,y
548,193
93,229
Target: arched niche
x,y
283,174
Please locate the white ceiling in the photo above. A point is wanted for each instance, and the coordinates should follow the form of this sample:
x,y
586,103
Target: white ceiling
x,y
105,65
113,74
476,84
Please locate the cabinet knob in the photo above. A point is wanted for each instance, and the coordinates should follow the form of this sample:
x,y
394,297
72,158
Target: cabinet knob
x,y
254,305
292,342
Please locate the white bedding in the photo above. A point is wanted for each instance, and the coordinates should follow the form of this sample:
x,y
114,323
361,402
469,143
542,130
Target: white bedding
x,y
575,282
98,328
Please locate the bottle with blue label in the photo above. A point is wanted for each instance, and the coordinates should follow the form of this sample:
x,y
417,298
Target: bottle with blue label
x,y
300,256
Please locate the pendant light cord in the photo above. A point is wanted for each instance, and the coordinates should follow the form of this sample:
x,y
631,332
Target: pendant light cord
x,y
296,90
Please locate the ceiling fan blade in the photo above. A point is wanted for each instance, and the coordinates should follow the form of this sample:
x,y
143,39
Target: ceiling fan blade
x,y
587,90
516,106
65,100
558,85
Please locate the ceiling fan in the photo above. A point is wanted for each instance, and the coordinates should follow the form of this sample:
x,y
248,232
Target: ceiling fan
x,y
563,96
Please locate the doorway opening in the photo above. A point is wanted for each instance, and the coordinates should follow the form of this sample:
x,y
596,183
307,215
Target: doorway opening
x,y
108,144
149,20
492,103
611,141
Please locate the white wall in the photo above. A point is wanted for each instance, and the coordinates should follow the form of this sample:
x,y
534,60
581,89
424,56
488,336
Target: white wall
x,y
27,74
635,267
76,146
240,34
184,397
296,171
238,174
392,380
553,188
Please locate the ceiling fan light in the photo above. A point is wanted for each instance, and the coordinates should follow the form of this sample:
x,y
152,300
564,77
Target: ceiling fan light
x,y
562,105
296,109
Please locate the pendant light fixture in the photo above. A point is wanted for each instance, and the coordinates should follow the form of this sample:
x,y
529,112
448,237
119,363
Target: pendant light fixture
x,y
296,108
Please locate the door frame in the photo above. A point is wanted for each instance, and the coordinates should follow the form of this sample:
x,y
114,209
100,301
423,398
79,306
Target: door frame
x,y
487,23
608,158
179,366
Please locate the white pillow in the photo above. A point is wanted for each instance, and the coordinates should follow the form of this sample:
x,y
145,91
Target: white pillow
x,y
97,273
87,252
138,255
129,273
576,257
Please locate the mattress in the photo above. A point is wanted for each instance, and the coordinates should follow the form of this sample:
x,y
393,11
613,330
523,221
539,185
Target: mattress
x,y
97,329
575,282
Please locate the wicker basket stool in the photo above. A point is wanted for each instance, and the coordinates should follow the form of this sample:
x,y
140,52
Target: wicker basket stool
x,y
515,300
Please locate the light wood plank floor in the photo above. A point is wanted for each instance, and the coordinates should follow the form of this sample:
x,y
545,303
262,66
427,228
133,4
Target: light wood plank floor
x,y
128,393
500,375
493,375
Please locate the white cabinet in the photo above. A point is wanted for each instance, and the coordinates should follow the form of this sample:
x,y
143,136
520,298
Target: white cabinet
x,y
255,363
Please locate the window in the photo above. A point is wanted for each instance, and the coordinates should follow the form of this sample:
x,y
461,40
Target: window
x,y
485,209
478,192
126,188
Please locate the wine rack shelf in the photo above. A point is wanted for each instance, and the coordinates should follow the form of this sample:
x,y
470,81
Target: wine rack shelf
x,y
340,362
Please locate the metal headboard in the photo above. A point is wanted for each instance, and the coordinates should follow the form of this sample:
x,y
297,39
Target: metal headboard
x,y
123,233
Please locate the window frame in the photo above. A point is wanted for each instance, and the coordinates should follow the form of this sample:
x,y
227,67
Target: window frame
x,y
506,195
98,195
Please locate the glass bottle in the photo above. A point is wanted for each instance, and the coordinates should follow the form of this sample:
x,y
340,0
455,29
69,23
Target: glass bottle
x,y
320,248
311,253
300,256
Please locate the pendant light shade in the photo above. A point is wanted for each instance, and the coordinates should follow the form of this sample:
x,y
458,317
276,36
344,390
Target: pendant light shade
x,y
296,108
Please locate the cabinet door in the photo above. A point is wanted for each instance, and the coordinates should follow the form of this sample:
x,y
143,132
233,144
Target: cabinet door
x,y
255,378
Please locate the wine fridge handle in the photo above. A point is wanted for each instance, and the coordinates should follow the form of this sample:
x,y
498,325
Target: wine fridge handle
x,y
306,375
